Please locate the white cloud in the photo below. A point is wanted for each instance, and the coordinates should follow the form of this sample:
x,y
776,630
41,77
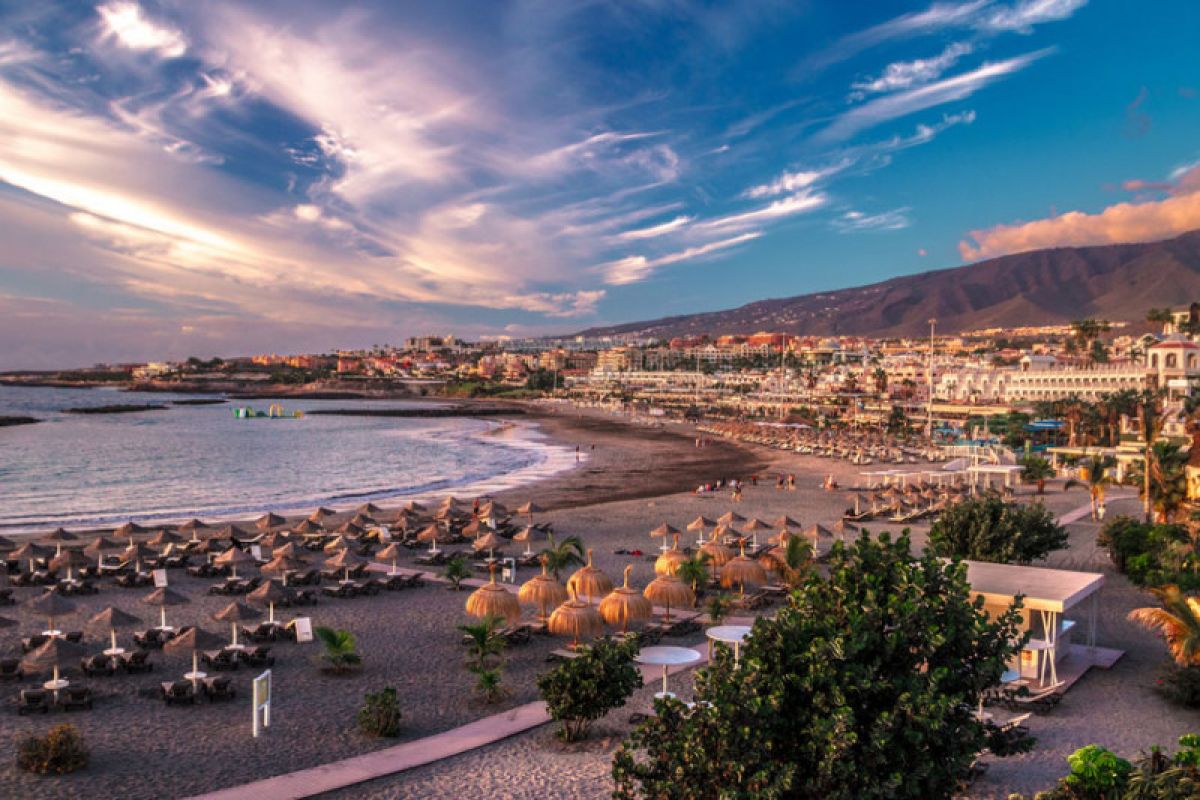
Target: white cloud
x,y
800,203
907,102
858,221
632,269
127,24
1023,16
795,181
653,231
904,74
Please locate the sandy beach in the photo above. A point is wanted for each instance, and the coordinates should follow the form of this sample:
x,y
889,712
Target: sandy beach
x,y
633,480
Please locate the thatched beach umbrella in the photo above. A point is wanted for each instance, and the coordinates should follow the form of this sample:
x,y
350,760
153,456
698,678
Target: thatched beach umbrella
x,y
815,532
542,590
490,542
98,546
433,534
320,513
233,533
723,532
754,526
363,520
590,581
284,565
413,507
575,618
112,618
843,528
731,518
163,597
668,590
53,654
529,509
369,509
663,532
700,524
234,613
233,558
743,570
390,553
268,593
670,559
350,529
473,529
625,604
344,560
129,530
526,536
31,552
269,520
308,527
137,553
785,522
719,554
192,528
337,544
193,640
494,600
58,537
52,606
69,560
163,538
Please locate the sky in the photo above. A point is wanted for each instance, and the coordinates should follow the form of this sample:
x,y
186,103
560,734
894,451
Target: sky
x,y
206,177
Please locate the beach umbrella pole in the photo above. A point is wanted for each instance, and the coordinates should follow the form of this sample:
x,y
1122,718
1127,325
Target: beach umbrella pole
x,y
271,612
113,633
162,616
233,625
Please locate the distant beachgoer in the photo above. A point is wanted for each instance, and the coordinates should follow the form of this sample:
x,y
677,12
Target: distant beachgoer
x,y
576,454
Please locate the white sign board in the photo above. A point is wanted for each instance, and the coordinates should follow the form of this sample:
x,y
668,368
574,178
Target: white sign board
x,y
256,551
262,702
304,632
160,578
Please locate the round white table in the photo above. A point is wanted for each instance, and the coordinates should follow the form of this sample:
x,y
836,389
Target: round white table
x,y
54,686
666,657
728,634
115,651
195,676
54,634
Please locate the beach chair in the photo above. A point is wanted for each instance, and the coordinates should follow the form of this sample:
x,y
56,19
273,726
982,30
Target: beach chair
x,y
31,643
181,692
31,701
562,655
98,664
1042,701
263,632
220,659
304,597
342,590
372,586
10,669
517,635
394,583
149,639
257,657
75,697
219,688
6,597
75,637
137,661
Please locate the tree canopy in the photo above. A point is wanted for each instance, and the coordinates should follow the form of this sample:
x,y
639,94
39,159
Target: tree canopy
x,y
987,528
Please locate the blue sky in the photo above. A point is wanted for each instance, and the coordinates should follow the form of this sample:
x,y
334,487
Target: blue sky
x,y
210,177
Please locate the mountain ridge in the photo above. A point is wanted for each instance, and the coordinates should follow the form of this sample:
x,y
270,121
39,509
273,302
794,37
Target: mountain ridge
x,y
1038,287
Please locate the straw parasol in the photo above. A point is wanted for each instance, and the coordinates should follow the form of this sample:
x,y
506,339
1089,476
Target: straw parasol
x,y
413,507
493,600
137,553
193,527
543,590
474,529
743,570
625,604
113,618
234,613
719,554
284,565
731,518
55,653
344,560
320,513
162,598
58,537
490,542
434,535
233,558
670,559
363,520
69,560
193,640
164,538
309,526
390,553
270,592
30,552
51,605
575,618
337,544
529,509
590,581
817,531
96,547
785,522
667,590
841,528
368,508
526,535
754,526
128,530
699,525
270,520
663,531
351,529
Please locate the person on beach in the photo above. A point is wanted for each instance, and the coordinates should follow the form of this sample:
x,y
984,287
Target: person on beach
x,y
576,454
737,493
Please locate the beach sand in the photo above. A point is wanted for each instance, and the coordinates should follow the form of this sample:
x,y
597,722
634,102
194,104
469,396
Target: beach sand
x,y
635,479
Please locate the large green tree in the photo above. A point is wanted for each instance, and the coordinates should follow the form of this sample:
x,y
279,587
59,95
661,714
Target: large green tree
x,y
986,528
864,686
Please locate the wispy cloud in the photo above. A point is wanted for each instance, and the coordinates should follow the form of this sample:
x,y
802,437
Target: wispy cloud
x,y
859,221
654,231
905,74
799,203
902,104
1023,16
636,268
128,25
796,181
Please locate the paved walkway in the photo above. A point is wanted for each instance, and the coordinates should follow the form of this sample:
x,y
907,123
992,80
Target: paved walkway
x,y
389,761
1086,510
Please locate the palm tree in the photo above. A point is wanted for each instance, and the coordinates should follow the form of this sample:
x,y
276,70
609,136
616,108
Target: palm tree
x,y
1162,315
793,563
563,555
485,656
1098,481
1038,470
1178,621
341,649
1169,479
456,572
1151,420
693,570
880,377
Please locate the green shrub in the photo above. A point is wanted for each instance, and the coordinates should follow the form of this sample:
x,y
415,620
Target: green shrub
x,y
1180,685
987,528
1097,773
380,713
58,752
582,690
340,650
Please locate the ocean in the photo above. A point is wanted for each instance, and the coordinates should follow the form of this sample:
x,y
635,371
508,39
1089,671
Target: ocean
x,y
201,461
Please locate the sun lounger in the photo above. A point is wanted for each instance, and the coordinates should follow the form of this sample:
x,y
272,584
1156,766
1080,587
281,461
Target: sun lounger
x,y
219,688
516,635
31,643
182,692
371,586
342,590
137,661
30,701
304,597
263,632
6,597
75,697
257,657
562,655
98,664
151,638
220,659
10,668
74,636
